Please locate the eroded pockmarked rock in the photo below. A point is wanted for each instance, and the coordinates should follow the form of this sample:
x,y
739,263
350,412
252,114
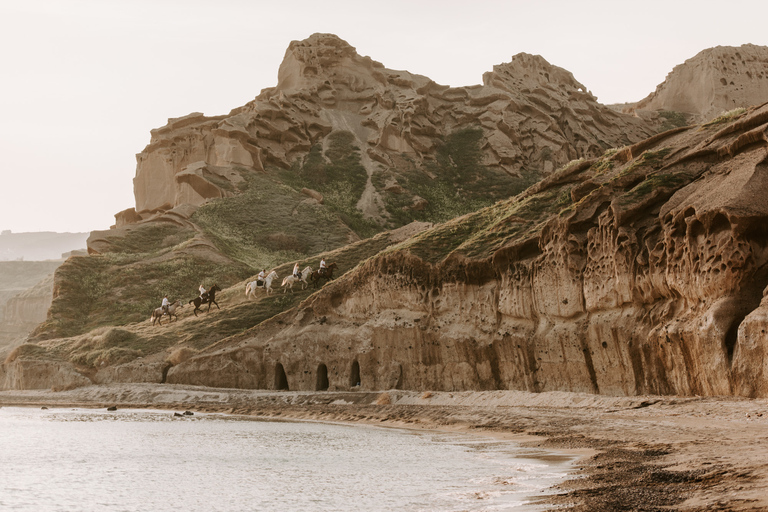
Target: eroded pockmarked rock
x,y
714,81
641,272
534,117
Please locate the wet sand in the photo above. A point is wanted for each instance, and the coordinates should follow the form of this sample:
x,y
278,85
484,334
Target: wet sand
x,y
638,453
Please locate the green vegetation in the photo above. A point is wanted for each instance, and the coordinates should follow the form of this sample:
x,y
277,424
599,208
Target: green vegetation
x,y
654,182
339,175
672,119
144,240
652,159
108,290
481,233
725,117
269,223
455,184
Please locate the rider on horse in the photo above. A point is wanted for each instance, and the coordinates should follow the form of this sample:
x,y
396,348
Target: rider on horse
x,y
323,267
261,277
296,272
203,292
165,305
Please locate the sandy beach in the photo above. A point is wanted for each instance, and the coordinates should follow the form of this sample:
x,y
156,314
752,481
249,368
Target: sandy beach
x,y
638,453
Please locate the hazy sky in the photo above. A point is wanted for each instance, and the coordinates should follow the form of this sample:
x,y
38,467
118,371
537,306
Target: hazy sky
x,y
84,81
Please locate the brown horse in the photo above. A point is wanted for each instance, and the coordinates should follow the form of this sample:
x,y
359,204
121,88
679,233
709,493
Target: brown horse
x,y
209,297
316,276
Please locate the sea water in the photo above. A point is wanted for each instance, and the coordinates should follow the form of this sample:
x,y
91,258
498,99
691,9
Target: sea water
x,y
141,460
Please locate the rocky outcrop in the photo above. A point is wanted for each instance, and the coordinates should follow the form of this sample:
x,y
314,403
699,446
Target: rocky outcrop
x,y
642,272
534,117
28,373
716,80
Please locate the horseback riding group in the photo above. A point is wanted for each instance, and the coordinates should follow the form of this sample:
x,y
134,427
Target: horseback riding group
x,y
263,280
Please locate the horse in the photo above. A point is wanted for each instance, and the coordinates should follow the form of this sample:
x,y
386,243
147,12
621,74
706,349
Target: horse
x,y
250,288
209,298
316,276
289,280
158,313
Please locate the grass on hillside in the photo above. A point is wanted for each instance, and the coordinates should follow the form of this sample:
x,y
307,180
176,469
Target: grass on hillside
x,y
110,290
672,119
269,223
144,240
98,337
339,176
479,234
725,117
455,184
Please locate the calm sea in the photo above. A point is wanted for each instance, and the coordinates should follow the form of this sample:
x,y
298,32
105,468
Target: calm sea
x,y
141,460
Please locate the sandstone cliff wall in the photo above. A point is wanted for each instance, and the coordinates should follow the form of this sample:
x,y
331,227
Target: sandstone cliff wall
x,y
651,281
30,307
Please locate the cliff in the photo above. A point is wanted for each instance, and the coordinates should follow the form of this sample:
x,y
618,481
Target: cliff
x,y
641,272
532,116
714,81
627,268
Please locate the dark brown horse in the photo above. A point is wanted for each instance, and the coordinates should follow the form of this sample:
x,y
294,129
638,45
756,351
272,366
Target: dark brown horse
x,y
316,276
208,298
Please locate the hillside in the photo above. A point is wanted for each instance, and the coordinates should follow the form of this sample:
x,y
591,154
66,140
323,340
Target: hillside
x,y
373,147
558,246
640,272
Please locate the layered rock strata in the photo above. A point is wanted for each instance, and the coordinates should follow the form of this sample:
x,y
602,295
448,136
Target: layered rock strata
x,y
642,272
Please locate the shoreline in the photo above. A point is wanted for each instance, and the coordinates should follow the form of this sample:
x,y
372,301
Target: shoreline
x,y
635,453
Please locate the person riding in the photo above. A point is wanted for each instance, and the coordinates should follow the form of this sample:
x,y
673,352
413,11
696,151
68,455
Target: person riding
x,y
203,292
323,267
296,272
261,277
165,305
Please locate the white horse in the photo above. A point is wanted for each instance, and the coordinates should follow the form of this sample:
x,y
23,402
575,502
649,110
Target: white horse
x,y
157,314
250,288
289,280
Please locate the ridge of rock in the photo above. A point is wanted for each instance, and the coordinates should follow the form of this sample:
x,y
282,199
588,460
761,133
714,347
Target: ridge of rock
x,y
714,81
534,118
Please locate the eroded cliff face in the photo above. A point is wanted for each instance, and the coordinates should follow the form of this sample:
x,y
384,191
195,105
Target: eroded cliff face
x,y
639,272
534,116
714,81
30,307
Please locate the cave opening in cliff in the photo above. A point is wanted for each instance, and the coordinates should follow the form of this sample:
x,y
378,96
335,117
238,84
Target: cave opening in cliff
x,y
321,384
281,380
354,375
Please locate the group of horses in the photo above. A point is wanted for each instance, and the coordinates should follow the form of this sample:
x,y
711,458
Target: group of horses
x,y
306,276
209,297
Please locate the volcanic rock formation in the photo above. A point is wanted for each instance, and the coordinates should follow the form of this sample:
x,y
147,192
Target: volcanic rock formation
x,y
716,80
638,267
534,116
639,272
